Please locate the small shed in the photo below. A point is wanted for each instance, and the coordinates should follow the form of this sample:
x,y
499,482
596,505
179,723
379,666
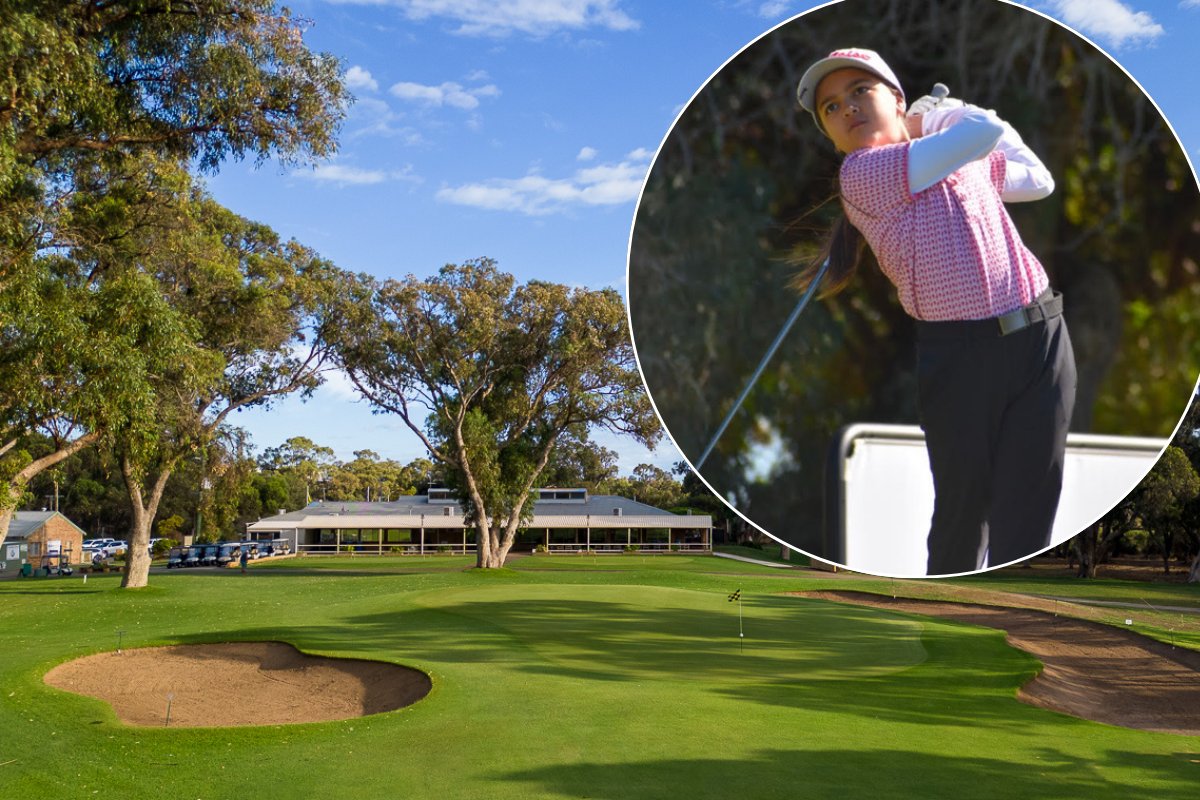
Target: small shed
x,y
33,535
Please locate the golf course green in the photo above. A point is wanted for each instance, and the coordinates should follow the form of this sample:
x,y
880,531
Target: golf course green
x,y
617,683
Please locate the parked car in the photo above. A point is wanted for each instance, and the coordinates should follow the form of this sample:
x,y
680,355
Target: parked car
x,y
252,550
98,544
191,556
175,557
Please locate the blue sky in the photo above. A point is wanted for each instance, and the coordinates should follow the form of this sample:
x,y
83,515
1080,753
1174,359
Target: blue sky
x,y
521,130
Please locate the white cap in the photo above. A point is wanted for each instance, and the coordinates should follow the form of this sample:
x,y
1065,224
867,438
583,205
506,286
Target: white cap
x,y
853,57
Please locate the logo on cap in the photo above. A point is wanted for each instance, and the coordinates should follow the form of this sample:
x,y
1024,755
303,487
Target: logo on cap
x,y
849,54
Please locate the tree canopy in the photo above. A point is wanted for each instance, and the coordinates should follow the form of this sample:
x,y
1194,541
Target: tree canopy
x,y
490,375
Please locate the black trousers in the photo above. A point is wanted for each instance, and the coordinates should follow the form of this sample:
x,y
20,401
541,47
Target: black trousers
x,y
995,409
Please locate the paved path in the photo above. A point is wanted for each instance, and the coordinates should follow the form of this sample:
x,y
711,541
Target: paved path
x,y
756,561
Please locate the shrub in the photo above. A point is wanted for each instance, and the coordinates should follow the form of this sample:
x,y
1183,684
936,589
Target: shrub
x,y
394,550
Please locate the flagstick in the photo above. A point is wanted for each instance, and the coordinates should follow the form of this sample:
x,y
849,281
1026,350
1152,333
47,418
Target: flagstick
x,y
741,636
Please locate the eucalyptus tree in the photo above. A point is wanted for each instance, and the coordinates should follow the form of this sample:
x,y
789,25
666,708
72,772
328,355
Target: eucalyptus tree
x,y
199,81
490,374
77,349
258,313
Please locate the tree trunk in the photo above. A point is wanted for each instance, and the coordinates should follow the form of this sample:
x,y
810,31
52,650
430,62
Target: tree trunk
x,y
137,557
1194,572
1085,548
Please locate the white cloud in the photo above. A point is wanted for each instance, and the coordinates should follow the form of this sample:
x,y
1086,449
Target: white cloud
x,y
534,194
373,117
586,154
504,17
359,78
1190,4
774,8
448,94
1110,20
353,176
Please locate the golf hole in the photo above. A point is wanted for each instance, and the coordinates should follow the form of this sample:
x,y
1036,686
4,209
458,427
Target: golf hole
x,y
236,684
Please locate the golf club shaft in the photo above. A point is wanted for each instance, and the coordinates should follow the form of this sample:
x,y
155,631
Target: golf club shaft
x,y
812,287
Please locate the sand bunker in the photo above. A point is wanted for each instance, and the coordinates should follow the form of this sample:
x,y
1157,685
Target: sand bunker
x,y
1092,671
239,683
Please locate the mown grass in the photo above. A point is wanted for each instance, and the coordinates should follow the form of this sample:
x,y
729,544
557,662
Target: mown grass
x,y
636,562
357,562
1103,589
572,684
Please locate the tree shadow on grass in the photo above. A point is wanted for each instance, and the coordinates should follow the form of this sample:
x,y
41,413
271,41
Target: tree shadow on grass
x,y
811,655
879,774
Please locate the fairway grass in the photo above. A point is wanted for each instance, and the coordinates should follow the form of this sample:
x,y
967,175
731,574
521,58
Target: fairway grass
x,y
566,685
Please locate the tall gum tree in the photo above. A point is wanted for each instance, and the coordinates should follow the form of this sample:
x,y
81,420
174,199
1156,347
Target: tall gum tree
x,y
197,81
490,374
258,314
76,353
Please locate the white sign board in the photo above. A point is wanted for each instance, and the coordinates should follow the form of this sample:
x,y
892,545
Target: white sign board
x,y
888,493
14,552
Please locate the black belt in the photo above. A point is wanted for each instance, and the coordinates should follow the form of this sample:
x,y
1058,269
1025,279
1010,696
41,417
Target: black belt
x,y
1048,305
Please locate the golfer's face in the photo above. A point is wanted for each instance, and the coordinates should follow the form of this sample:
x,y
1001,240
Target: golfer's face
x,y
859,110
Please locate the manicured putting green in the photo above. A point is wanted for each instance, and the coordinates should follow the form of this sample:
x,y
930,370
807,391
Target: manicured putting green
x,y
650,632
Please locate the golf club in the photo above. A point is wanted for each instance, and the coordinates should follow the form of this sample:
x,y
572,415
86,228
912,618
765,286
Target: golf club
x,y
939,92
812,287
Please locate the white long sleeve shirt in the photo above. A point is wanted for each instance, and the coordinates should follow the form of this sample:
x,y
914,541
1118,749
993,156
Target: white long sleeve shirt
x,y
954,134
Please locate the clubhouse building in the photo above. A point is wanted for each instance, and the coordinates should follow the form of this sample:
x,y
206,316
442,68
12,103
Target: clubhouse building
x,y
564,521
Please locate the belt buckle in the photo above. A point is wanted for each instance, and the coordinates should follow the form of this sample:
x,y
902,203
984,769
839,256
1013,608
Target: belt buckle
x,y
1013,321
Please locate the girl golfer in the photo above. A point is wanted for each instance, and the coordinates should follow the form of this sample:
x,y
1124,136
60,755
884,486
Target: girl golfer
x,y
996,374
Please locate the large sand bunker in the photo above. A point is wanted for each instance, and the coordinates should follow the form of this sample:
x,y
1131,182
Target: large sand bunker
x,y
238,683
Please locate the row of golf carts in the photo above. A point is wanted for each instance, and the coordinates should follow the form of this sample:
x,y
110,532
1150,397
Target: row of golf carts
x,y
222,554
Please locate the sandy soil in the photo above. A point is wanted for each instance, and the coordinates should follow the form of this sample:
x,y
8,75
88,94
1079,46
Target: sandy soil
x,y
241,683
1092,671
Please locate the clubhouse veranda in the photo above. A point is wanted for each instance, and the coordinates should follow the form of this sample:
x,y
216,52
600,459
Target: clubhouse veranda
x,y
564,521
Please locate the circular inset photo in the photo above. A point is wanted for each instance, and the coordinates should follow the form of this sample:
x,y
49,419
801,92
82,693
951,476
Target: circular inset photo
x,y
912,285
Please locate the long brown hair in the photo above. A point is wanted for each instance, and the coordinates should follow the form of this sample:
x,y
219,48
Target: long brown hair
x,y
843,247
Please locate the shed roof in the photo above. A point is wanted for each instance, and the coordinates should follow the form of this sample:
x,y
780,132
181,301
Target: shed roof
x,y
26,523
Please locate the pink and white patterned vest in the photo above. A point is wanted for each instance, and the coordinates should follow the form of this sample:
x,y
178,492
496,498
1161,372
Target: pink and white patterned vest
x,y
951,250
